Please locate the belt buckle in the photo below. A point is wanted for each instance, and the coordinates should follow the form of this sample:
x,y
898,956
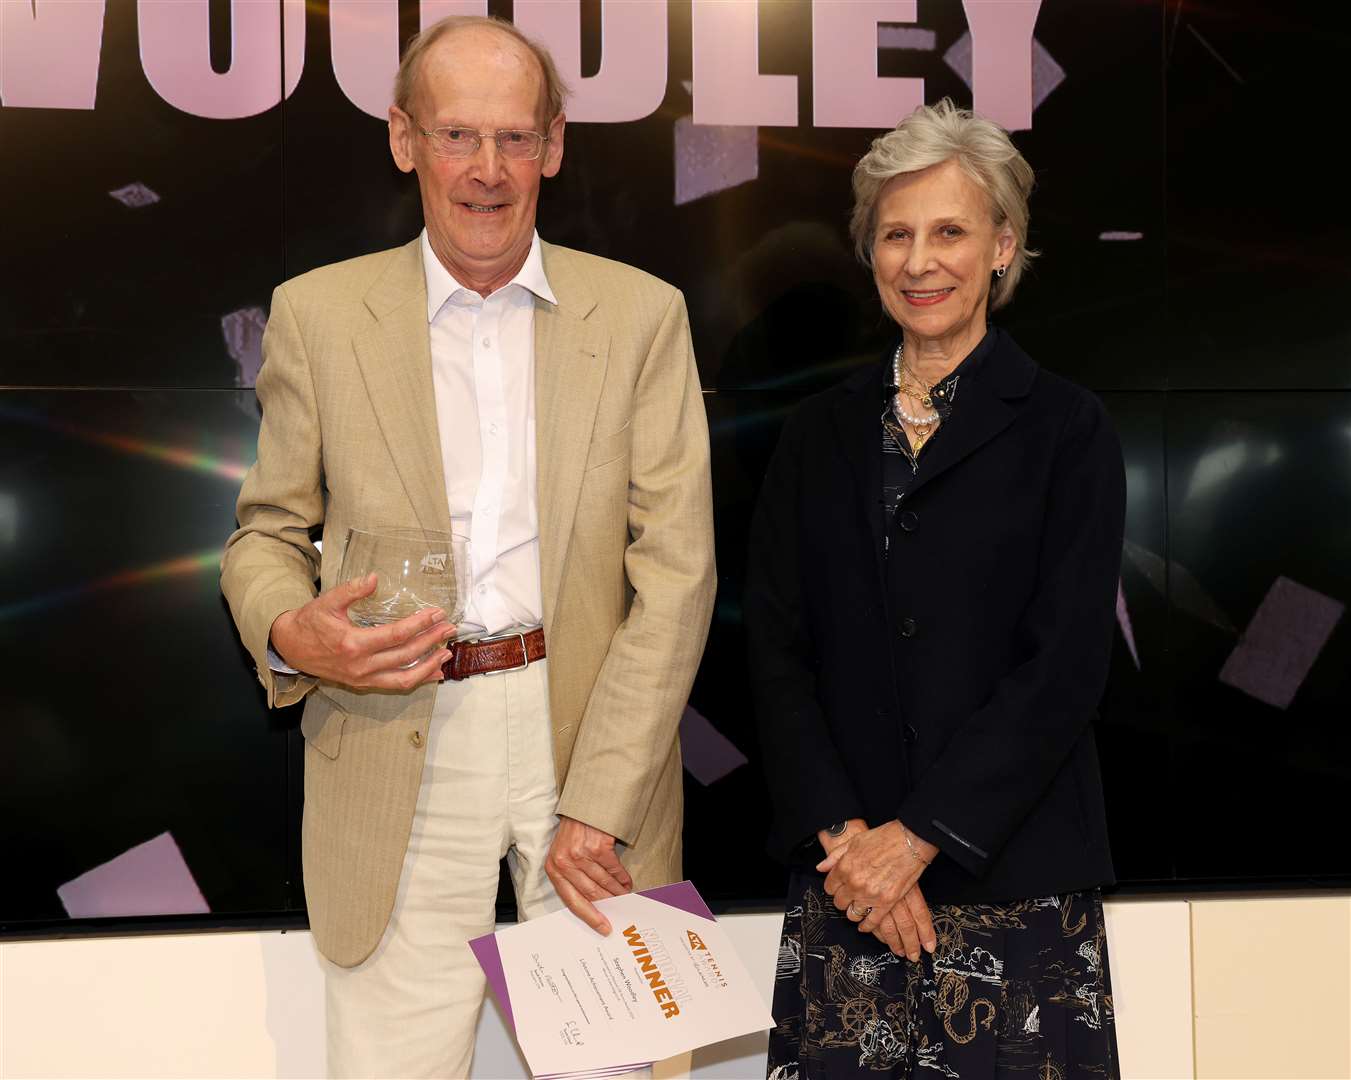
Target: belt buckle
x,y
525,653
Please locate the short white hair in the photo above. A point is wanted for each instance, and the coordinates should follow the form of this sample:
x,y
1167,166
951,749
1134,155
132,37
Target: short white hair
x,y
929,136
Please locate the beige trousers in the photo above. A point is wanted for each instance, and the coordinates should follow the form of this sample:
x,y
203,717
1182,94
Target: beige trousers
x,y
488,791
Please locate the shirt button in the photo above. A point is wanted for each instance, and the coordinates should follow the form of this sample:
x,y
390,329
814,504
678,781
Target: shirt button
x,y
908,520
416,739
908,628
487,343
482,589
492,429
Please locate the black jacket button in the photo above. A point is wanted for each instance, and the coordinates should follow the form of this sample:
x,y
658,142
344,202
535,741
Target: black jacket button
x,y
908,628
910,733
908,520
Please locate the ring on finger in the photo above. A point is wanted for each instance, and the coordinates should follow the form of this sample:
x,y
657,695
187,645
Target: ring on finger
x,y
857,913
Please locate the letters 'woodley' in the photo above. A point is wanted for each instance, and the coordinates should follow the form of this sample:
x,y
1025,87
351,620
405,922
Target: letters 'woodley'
x,y
49,58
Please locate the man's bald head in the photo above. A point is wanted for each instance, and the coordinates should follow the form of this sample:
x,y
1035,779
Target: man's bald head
x,y
553,91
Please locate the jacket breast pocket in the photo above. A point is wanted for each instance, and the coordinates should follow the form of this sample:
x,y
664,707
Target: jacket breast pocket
x,y
608,448
322,723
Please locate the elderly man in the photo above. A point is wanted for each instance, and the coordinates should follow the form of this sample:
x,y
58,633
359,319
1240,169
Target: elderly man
x,y
546,403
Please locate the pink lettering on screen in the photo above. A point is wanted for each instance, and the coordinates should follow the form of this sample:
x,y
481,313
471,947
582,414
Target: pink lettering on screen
x,y
631,82
1001,59
364,42
846,89
176,54
728,86
49,53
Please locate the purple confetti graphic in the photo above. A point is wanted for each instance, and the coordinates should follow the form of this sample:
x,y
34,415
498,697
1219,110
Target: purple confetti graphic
x,y
1277,650
1046,73
709,754
710,158
1123,618
243,330
150,879
1120,234
135,195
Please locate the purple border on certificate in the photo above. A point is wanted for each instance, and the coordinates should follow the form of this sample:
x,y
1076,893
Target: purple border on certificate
x,y
682,895
490,960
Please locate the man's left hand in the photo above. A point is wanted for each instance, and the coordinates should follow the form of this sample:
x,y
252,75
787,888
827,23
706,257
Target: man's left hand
x,y
583,867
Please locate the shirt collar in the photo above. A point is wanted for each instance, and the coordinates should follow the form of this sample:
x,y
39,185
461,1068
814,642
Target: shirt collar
x,y
442,285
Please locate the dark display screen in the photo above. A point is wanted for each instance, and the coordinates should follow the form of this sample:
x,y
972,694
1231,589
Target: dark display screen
x,y
1193,274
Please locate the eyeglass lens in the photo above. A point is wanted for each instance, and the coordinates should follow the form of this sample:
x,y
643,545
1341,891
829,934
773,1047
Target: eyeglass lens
x,y
463,142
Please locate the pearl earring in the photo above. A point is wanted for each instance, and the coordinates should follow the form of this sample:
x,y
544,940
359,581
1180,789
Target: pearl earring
x,y
1001,271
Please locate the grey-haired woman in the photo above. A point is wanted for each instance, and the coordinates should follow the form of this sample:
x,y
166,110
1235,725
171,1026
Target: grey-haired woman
x,y
930,603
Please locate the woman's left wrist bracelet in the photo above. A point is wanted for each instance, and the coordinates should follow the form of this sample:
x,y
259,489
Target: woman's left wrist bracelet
x,y
911,845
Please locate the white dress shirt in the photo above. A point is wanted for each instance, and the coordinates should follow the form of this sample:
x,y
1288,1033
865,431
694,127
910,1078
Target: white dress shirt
x,y
483,374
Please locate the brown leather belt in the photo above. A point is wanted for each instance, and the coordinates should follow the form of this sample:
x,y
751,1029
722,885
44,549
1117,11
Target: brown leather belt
x,y
488,656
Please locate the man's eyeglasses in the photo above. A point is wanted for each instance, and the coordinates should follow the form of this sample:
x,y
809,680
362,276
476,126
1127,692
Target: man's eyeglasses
x,y
459,142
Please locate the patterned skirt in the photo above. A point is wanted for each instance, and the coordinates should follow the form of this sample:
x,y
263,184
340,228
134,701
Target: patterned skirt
x,y
1015,990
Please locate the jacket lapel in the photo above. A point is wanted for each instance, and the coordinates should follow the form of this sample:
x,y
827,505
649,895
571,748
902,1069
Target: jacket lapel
x,y
571,355
984,406
858,424
396,365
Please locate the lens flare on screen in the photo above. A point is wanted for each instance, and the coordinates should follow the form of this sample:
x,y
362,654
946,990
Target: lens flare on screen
x,y
169,568
178,456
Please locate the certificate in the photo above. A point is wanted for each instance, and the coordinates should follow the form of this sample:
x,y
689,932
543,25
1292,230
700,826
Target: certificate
x,y
663,982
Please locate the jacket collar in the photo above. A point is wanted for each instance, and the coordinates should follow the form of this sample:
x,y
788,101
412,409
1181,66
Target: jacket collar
x,y
394,355
572,351
987,403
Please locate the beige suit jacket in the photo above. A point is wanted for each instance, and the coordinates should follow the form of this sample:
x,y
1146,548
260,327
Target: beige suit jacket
x,y
349,438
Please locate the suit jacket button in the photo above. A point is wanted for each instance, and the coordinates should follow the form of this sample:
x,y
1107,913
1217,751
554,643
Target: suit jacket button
x,y
908,628
908,520
416,739
910,733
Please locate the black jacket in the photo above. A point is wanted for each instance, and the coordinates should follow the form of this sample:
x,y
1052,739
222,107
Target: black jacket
x,y
943,667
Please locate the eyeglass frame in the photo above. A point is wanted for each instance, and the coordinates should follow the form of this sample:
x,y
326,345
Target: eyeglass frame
x,y
478,137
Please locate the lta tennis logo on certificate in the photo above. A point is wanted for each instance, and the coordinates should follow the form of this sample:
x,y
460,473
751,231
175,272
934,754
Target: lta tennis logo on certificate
x,y
705,963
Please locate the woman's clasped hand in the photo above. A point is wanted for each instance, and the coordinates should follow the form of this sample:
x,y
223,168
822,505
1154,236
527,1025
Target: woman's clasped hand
x,y
873,876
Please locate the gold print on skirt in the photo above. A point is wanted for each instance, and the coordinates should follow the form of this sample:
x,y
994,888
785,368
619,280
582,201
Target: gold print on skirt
x,y
1071,929
1004,983
951,1000
856,1014
1049,1070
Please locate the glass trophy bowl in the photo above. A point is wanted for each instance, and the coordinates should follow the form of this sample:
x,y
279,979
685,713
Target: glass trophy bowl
x,y
414,569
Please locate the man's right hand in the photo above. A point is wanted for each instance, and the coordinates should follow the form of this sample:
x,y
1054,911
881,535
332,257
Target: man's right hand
x,y
319,639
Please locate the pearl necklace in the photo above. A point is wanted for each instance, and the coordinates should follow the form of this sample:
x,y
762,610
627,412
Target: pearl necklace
x,y
914,421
